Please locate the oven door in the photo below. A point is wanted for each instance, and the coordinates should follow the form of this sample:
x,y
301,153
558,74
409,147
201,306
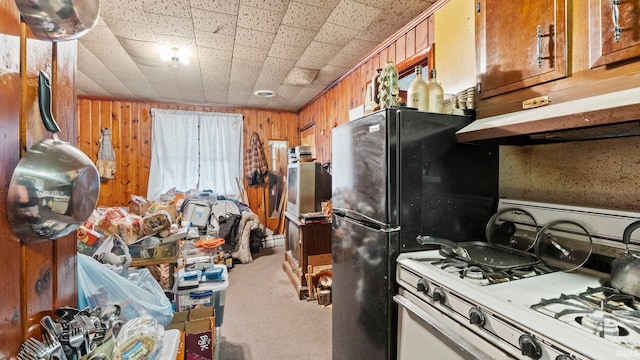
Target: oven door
x,y
423,329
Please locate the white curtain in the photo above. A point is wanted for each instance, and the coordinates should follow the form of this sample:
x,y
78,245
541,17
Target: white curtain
x,y
195,150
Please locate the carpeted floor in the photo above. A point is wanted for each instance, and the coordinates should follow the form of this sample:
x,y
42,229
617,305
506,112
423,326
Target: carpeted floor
x,y
265,320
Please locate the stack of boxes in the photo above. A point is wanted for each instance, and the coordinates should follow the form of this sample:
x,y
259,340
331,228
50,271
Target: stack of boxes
x,y
200,291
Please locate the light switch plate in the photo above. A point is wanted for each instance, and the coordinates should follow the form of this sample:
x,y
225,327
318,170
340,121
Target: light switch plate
x,y
535,102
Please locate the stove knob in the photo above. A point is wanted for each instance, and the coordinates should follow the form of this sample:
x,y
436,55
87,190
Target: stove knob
x,y
476,317
565,357
530,347
423,286
439,295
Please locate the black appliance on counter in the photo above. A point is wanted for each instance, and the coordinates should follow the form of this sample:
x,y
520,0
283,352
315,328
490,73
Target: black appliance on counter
x,y
397,173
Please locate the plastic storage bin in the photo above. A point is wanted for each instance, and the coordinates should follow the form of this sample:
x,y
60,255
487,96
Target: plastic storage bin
x,y
208,293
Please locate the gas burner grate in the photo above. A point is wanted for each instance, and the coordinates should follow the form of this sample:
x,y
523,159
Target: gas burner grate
x,y
487,275
603,311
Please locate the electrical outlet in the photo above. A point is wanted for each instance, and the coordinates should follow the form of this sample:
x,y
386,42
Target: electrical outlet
x,y
535,102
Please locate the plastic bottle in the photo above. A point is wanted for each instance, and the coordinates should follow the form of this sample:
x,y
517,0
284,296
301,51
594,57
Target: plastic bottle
x,y
436,94
418,92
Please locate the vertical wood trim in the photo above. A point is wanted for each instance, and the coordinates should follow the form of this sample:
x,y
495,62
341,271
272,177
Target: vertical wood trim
x,y
410,48
422,35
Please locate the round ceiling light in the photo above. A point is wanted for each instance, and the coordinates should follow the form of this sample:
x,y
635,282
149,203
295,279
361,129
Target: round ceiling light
x,y
264,93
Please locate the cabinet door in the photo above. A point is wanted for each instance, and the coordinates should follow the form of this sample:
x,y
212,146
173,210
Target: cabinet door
x,y
614,27
519,44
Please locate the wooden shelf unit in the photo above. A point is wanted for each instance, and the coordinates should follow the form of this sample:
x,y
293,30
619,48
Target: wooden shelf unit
x,y
302,241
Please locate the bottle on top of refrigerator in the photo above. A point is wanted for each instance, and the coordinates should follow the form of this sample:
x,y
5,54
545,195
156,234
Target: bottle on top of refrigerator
x,y
436,94
417,94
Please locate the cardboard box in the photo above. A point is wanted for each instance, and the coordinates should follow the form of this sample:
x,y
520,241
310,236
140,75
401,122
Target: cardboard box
x,y
139,205
200,334
178,322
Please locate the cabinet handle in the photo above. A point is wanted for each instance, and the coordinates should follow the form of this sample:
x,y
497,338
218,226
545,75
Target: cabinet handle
x,y
539,36
615,13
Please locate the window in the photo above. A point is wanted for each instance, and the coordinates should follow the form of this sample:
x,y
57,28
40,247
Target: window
x,y
195,150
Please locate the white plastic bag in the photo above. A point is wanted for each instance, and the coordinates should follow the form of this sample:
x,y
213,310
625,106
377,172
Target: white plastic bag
x,y
137,294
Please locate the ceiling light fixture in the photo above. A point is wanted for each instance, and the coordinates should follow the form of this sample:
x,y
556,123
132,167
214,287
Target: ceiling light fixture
x,y
265,93
175,55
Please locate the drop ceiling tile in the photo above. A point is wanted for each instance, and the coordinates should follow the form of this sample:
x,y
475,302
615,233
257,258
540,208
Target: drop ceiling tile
x,y
359,47
335,34
329,74
214,41
238,97
249,53
170,25
214,22
127,29
266,84
259,19
259,39
311,62
288,91
258,102
276,69
219,6
89,86
405,11
100,34
184,43
329,4
215,80
284,51
215,96
272,5
386,5
101,51
290,35
193,96
220,60
344,59
322,50
245,70
179,8
377,33
123,10
185,77
343,14
305,16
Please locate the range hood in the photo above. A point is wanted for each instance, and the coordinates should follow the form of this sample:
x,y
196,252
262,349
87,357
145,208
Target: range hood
x,y
615,114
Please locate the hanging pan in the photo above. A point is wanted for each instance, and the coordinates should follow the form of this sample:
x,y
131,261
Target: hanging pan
x,y
59,20
55,186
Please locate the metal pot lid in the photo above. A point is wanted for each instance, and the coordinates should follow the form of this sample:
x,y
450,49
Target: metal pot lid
x,y
512,227
564,245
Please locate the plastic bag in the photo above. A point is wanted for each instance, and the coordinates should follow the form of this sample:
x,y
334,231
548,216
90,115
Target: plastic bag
x,y
137,294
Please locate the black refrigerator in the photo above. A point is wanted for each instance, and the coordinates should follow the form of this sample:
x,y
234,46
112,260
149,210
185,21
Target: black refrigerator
x,y
396,174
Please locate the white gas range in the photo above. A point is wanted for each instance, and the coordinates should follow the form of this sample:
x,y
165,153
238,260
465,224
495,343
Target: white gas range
x,y
530,313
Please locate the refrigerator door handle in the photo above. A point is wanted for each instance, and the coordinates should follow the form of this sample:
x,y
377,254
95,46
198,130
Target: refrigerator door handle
x,y
390,230
373,225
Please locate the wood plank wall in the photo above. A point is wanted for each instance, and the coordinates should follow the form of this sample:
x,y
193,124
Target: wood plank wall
x,y
37,276
130,122
331,108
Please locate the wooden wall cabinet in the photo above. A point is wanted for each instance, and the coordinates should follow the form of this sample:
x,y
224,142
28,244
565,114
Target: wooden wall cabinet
x,y
520,44
302,241
613,29
580,61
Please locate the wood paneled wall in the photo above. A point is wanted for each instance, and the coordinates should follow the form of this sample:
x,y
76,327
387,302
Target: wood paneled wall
x,y
331,108
130,122
37,276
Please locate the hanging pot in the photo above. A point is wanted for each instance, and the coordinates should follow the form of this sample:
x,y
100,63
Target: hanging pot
x,y
625,269
55,186
59,20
